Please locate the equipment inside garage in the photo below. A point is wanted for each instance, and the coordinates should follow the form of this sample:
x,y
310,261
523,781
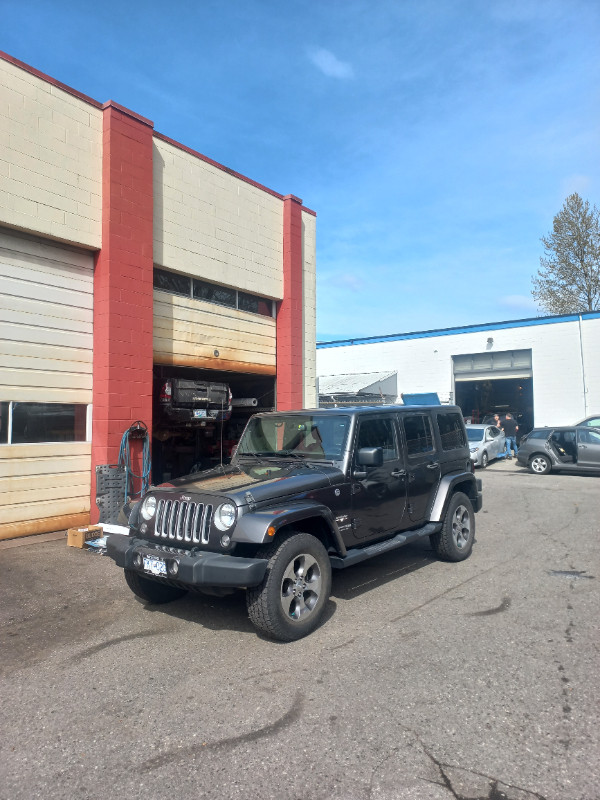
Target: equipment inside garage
x,y
199,416
495,383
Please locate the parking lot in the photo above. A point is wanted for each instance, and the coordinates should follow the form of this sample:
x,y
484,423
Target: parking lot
x,y
427,680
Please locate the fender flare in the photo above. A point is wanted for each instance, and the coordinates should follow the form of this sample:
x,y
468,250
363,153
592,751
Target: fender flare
x,y
252,526
445,489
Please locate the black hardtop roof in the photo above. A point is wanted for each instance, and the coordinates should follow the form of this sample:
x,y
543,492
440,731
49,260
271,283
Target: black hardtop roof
x,y
359,410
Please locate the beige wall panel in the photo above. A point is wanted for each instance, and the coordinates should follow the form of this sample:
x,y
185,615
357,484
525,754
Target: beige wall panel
x,y
26,512
21,467
41,335
29,355
33,394
44,482
45,379
50,159
309,293
38,495
215,226
188,331
13,530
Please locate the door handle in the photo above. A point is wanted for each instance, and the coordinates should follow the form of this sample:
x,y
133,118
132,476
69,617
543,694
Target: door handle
x,y
433,465
398,473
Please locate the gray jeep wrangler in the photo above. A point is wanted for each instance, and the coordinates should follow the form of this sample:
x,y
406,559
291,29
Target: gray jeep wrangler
x,y
306,491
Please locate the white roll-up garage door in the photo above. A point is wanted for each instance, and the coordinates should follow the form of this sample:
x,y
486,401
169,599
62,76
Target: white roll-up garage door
x,y
46,329
500,364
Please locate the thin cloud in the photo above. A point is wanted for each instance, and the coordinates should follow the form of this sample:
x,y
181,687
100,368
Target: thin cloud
x,y
329,64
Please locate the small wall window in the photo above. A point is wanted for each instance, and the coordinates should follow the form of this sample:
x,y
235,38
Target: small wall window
x,y
33,423
172,282
254,304
451,429
214,294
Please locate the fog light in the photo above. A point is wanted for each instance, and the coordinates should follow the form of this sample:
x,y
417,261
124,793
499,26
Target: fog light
x,y
225,540
173,567
137,560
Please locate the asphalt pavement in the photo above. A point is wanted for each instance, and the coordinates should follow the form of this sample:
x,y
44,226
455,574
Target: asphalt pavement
x,y
427,680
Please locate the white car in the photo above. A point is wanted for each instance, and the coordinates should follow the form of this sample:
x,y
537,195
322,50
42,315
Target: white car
x,y
486,442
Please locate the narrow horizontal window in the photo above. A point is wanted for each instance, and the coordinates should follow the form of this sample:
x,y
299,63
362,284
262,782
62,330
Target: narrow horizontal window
x,y
214,294
254,304
172,282
47,422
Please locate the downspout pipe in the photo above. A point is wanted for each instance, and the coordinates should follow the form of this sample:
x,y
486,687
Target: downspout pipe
x,y
585,409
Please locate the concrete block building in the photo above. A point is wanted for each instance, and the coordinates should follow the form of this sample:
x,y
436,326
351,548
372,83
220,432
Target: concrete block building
x,y
127,257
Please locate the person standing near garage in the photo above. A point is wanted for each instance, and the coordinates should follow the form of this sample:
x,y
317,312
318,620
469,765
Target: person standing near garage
x,y
510,428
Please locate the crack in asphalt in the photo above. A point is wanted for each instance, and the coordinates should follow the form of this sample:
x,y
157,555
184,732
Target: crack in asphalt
x,y
494,793
290,716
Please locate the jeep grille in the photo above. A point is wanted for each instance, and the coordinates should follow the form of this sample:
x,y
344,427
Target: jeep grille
x,y
183,521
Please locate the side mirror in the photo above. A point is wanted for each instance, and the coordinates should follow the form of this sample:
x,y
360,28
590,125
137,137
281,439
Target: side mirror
x,y
370,457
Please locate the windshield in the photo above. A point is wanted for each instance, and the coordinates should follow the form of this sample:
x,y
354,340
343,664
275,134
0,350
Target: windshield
x,y
475,434
308,436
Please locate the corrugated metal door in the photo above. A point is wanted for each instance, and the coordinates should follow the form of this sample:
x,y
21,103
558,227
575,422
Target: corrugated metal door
x,y
46,327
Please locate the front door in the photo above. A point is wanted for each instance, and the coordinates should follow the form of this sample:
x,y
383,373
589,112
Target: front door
x,y
588,448
422,462
378,493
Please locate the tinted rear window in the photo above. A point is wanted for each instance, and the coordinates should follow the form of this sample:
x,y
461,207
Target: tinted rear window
x,y
538,435
452,432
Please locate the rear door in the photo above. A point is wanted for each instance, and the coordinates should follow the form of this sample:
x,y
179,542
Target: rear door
x,y
588,448
422,462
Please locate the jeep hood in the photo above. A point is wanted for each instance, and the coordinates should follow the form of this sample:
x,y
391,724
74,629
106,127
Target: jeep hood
x,y
272,480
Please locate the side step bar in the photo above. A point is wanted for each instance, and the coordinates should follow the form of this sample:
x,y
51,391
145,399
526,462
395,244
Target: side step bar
x,y
357,554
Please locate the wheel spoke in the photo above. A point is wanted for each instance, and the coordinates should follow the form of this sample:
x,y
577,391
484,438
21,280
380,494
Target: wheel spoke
x,y
461,527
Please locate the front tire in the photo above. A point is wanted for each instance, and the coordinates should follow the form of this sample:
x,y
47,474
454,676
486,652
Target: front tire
x,y
152,591
539,464
484,460
455,540
290,601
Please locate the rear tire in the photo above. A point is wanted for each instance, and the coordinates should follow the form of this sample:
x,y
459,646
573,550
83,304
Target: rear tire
x,y
290,601
152,591
539,464
455,540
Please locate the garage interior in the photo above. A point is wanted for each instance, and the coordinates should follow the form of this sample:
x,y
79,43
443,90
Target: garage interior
x,y
180,449
495,383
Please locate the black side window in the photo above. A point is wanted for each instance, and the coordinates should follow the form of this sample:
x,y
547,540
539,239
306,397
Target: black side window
x,y
451,429
538,435
378,433
417,430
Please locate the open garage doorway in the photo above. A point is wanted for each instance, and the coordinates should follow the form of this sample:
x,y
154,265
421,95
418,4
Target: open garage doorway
x,y
186,440
495,382
479,399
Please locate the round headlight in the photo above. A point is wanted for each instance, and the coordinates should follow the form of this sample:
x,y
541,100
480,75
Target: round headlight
x,y
149,507
224,516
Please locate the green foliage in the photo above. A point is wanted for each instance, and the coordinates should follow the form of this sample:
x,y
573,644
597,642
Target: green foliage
x,y
569,279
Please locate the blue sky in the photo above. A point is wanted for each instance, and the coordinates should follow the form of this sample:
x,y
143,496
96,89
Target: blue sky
x,y
435,139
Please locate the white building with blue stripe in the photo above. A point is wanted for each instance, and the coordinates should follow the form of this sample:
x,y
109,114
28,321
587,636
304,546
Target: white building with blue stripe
x,y
546,369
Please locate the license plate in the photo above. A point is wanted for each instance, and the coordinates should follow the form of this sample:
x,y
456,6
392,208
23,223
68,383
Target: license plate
x,y
155,566
199,412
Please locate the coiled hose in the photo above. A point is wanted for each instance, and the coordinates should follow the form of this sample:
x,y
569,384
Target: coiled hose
x,y
138,430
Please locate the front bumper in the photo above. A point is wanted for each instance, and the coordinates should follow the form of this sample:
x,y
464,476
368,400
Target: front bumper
x,y
195,568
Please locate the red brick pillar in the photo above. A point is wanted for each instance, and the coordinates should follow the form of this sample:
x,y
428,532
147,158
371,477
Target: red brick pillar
x,y
290,328
122,373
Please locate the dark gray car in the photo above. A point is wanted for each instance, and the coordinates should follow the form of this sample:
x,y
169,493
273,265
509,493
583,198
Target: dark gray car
x,y
574,448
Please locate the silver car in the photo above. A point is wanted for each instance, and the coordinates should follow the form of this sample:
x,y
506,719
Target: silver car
x,y
486,442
